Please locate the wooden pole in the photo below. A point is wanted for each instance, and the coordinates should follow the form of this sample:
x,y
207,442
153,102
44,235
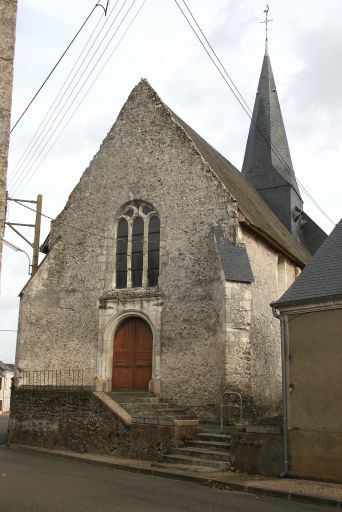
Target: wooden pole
x,y
35,258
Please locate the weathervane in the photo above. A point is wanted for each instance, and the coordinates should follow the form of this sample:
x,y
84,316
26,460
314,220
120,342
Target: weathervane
x,y
267,21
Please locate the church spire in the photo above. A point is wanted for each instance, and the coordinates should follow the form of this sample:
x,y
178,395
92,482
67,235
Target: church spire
x,y
267,162
267,21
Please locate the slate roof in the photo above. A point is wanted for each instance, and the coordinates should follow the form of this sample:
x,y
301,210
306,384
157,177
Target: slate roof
x,y
234,258
314,236
249,200
322,277
261,165
6,367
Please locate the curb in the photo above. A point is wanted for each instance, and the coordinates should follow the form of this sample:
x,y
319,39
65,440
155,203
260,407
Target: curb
x,y
175,475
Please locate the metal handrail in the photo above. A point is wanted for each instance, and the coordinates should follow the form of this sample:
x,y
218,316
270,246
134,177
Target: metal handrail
x,y
67,379
225,393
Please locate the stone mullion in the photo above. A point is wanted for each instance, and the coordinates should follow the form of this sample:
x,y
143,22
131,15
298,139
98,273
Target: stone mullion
x,y
145,253
129,253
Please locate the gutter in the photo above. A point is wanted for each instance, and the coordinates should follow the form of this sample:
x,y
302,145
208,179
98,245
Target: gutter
x,y
283,392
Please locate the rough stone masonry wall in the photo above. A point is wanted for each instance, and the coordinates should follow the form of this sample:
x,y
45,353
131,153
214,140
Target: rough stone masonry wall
x,y
146,156
8,14
264,330
78,421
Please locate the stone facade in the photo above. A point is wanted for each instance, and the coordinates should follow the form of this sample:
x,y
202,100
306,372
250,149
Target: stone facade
x,y
78,421
8,14
208,333
264,344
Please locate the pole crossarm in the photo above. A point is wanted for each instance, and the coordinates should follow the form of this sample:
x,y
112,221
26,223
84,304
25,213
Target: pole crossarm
x,y
9,224
36,226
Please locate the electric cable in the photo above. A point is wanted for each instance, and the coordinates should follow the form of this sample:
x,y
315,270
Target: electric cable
x,y
60,113
83,98
43,124
69,107
98,4
76,228
246,109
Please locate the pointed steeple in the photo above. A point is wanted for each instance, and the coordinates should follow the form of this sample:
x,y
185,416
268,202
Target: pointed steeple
x,y
267,162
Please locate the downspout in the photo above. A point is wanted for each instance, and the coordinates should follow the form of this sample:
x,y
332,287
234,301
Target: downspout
x,y
284,392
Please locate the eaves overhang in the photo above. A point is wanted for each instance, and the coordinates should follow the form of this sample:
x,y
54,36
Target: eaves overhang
x,y
271,241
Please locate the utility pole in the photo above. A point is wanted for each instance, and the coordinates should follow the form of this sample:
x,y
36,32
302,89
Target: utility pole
x,y
36,226
37,223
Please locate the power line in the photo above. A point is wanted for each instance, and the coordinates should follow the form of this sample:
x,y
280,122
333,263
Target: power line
x,y
105,237
39,131
60,113
76,70
98,4
243,103
81,88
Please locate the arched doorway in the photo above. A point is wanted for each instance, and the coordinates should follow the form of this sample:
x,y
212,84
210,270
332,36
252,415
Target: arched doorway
x,y
132,355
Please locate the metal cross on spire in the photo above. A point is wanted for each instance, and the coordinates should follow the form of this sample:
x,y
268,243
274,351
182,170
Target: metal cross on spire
x,y
266,21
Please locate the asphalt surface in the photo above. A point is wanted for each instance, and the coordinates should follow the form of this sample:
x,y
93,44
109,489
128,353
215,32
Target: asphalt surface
x,y
3,428
36,483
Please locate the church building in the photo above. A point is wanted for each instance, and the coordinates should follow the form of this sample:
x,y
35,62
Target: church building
x,y
160,269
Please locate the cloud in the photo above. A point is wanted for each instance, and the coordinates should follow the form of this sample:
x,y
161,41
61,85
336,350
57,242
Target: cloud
x,y
318,84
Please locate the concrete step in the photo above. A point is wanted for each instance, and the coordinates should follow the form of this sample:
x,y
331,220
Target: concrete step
x,y
158,412
145,405
183,467
197,462
216,428
130,394
209,445
137,400
213,436
201,454
140,418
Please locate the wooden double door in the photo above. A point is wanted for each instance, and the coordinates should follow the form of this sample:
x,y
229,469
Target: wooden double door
x,y
132,357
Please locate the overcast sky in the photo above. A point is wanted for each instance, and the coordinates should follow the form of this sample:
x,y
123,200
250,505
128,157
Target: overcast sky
x,y
305,46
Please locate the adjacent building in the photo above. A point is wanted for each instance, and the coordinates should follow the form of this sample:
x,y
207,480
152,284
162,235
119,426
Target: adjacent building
x,y
312,318
6,376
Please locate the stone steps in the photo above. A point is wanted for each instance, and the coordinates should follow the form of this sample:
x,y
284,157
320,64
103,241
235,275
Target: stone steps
x,y
196,462
157,412
138,400
208,450
146,408
209,445
118,395
145,405
213,436
201,454
184,467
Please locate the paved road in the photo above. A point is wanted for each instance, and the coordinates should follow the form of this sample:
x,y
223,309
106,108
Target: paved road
x,y
3,428
36,483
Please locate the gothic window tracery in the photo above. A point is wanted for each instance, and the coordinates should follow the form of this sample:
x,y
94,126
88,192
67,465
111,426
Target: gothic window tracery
x,y
137,247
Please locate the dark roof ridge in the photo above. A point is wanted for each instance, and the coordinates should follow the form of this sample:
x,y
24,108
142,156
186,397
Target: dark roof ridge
x,y
322,277
250,202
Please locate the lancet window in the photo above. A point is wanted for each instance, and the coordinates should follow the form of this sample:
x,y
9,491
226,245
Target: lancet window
x,y
137,247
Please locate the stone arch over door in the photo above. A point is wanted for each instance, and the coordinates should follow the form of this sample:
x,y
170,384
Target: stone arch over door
x,y
132,355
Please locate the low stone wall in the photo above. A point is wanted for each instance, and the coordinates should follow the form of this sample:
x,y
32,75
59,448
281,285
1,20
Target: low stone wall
x,y
258,453
80,422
